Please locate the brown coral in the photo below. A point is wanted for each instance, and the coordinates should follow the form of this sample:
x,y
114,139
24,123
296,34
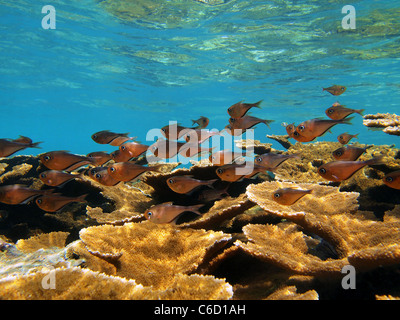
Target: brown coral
x,y
389,122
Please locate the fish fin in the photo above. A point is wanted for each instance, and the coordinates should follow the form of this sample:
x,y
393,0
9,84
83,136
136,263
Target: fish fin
x,y
211,182
378,160
360,111
82,198
346,120
257,104
195,209
267,122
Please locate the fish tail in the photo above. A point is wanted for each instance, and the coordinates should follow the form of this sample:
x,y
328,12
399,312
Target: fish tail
x,y
360,111
375,161
82,198
211,182
346,120
257,104
267,122
196,209
36,145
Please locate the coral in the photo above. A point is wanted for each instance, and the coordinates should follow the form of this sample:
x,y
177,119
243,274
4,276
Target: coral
x,y
82,284
290,293
42,241
152,254
389,122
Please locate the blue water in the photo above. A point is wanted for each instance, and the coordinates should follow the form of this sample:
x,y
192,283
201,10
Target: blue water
x,y
100,70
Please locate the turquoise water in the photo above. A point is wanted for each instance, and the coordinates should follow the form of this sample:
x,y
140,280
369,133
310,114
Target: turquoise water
x,y
107,68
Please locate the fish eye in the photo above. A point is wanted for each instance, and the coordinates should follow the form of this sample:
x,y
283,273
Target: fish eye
x,y
301,128
112,169
163,130
296,134
98,175
322,170
277,195
46,158
94,136
389,179
230,109
123,147
43,175
220,171
149,214
39,201
171,181
338,153
331,111
341,137
342,88
259,159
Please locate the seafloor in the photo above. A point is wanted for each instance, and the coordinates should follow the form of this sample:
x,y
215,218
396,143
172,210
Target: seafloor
x,y
244,246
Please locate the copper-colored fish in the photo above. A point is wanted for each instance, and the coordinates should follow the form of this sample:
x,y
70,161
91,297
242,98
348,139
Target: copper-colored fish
x,y
392,180
300,138
348,153
273,160
57,178
338,112
167,212
22,139
313,128
18,194
165,149
213,194
186,184
101,175
133,149
63,160
223,157
335,90
289,196
239,109
99,157
127,171
290,128
119,156
55,202
234,172
342,170
202,122
200,135
111,138
234,132
192,149
174,131
9,147
247,122
345,138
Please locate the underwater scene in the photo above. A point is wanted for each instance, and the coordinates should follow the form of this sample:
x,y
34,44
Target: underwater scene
x,y
199,150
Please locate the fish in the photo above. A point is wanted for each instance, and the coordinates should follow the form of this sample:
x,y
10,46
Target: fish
x,y
213,194
168,212
300,138
111,138
200,135
99,157
289,196
9,147
55,202
392,180
342,170
239,109
63,160
247,122
314,128
192,149
202,122
165,149
101,175
174,131
335,90
339,112
119,156
234,132
127,171
19,194
273,160
133,149
290,128
345,138
349,153
57,178
186,184
235,172
223,157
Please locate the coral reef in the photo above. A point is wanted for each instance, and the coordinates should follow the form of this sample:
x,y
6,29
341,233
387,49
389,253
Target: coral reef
x,y
245,245
389,122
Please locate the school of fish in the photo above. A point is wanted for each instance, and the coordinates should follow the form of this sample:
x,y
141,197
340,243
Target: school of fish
x,y
120,166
